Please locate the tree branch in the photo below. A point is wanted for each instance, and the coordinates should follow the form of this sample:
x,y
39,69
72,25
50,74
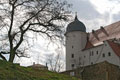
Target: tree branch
x,y
2,57
3,52
25,22
22,3
44,32
21,39
11,24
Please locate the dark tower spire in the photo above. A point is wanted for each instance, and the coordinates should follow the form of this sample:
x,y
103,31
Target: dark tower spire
x,y
76,18
76,25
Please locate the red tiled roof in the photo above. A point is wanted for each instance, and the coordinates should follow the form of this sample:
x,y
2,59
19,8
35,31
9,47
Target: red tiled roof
x,y
108,32
115,47
88,45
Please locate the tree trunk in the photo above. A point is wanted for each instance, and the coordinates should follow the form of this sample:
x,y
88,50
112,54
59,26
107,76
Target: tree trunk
x,y
12,56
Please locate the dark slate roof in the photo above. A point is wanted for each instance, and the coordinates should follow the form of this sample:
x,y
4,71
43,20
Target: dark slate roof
x,y
76,25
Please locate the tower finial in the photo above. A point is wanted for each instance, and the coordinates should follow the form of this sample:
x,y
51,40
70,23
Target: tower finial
x,y
76,13
76,16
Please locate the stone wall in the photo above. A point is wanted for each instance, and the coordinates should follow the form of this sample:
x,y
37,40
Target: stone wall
x,y
100,71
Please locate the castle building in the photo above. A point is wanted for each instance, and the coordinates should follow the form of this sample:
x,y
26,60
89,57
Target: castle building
x,y
85,49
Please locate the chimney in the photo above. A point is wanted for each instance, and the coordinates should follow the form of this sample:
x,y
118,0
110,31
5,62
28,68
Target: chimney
x,y
95,35
104,31
93,31
46,65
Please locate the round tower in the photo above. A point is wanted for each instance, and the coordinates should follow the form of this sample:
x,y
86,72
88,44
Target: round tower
x,y
76,38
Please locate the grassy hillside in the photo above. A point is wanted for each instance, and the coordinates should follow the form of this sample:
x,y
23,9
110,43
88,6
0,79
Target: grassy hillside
x,y
9,71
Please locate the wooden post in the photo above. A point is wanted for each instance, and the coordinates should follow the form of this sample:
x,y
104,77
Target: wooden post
x,y
107,75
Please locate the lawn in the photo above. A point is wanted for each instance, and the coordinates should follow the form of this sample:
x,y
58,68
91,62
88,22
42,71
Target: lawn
x,y
10,71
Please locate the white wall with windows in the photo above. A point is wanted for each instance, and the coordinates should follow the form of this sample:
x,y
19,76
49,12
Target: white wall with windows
x,y
99,54
75,42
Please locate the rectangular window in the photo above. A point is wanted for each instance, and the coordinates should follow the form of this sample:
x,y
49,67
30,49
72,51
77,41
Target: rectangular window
x,y
72,47
103,55
72,66
92,53
84,56
72,56
109,54
97,52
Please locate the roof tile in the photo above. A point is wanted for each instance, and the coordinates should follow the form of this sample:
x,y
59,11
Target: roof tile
x,y
108,32
88,45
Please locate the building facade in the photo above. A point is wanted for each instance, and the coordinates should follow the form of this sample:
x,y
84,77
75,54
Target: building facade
x,y
85,49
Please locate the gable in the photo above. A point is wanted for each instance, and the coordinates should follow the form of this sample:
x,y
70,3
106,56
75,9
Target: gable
x,y
115,47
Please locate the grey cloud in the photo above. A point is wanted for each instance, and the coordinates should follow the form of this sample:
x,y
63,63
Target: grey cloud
x,y
115,1
85,9
116,17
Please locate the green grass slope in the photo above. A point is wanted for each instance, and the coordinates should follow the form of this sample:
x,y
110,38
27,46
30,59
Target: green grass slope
x,y
9,71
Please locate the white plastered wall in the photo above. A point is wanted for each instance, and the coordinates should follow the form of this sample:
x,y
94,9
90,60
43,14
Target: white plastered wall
x,y
75,42
93,58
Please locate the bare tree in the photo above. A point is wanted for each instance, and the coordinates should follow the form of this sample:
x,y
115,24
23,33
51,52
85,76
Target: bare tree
x,y
21,18
55,61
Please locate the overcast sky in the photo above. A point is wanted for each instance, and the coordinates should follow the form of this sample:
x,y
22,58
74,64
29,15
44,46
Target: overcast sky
x,y
96,13
93,13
